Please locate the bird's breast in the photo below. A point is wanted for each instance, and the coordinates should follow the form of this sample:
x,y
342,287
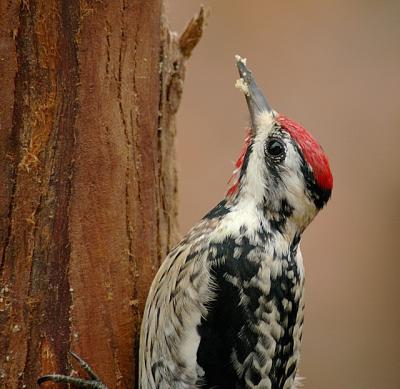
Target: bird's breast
x,y
252,330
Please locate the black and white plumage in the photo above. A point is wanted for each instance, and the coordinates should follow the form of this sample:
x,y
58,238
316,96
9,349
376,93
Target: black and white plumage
x,y
225,309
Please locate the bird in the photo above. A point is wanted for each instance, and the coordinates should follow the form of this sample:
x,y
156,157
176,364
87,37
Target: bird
x,y
226,308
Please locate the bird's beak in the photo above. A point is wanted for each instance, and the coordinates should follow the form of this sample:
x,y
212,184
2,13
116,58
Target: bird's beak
x,y
258,106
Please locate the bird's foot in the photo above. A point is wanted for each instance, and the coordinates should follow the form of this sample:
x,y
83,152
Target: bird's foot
x,y
94,382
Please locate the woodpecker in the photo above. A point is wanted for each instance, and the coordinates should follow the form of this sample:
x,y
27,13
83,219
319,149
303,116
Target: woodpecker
x,y
226,307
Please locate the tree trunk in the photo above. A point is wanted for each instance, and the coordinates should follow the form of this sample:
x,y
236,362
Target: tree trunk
x,y
88,94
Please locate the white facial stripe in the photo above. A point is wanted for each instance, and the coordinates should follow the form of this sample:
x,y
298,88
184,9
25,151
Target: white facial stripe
x,y
253,186
295,189
255,166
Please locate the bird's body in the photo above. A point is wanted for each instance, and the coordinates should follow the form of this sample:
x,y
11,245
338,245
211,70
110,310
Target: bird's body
x,y
239,303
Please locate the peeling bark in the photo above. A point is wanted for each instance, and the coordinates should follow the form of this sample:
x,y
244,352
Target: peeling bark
x,y
88,96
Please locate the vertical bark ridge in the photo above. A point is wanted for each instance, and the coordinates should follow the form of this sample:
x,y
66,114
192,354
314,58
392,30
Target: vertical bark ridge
x,y
36,256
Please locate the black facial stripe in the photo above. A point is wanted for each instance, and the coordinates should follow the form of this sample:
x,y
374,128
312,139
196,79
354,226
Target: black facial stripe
x,y
318,195
246,160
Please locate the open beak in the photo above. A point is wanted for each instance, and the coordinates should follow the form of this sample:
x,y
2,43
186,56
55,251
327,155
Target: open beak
x,y
256,101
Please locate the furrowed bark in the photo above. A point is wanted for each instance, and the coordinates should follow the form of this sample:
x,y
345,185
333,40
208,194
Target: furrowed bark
x,y
88,96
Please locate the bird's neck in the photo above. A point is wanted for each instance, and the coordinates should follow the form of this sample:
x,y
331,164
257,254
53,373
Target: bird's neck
x,y
280,223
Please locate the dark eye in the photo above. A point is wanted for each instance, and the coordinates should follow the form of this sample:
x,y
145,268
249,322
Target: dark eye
x,y
275,148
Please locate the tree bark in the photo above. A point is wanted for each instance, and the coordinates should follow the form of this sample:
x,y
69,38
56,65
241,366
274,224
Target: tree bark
x,y
88,96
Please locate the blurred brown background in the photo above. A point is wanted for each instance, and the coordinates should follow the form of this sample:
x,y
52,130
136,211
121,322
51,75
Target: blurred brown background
x,y
334,66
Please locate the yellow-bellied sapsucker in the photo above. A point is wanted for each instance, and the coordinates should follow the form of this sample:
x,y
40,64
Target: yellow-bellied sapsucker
x,y
225,309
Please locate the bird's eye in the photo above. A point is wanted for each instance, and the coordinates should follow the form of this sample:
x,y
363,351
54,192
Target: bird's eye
x,y
275,148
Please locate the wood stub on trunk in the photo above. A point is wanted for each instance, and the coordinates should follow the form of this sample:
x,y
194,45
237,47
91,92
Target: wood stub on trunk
x,y
173,55
88,188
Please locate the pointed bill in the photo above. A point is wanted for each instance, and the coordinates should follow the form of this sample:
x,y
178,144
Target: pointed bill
x,y
260,110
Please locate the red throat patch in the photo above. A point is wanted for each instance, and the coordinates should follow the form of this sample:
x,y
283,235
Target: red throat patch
x,y
312,151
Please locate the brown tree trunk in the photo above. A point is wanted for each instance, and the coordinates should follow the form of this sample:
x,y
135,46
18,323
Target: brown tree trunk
x,y
88,94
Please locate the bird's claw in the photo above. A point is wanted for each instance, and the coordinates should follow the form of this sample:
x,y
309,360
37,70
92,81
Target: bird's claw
x,y
93,383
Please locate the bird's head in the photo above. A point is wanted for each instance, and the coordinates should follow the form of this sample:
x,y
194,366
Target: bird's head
x,y
282,168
